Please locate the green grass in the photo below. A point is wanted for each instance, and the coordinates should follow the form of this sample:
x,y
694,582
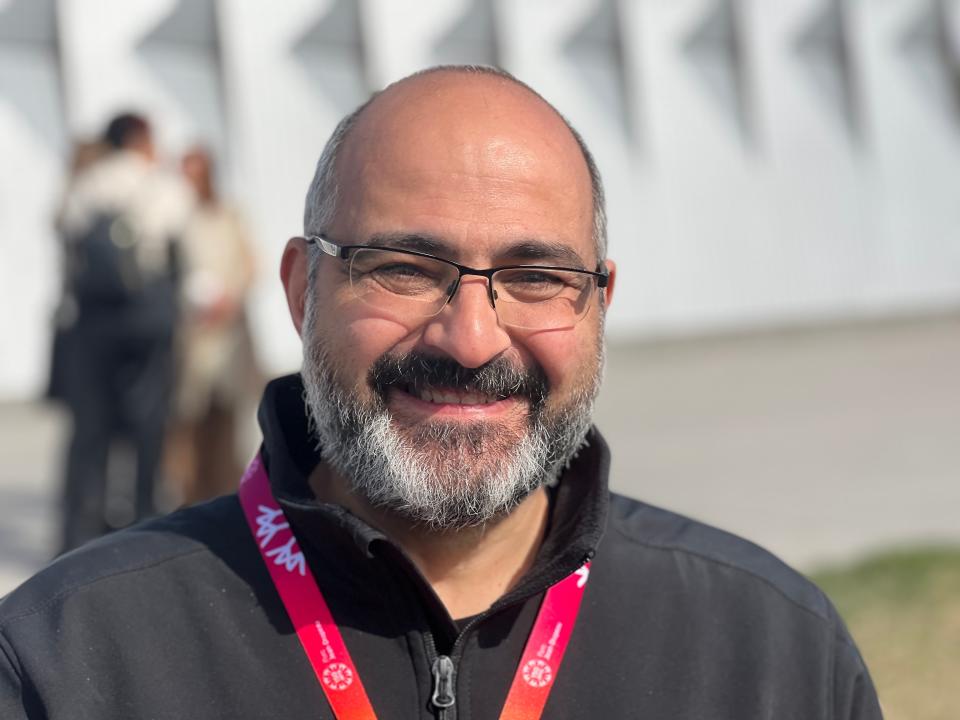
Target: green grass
x,y
903,609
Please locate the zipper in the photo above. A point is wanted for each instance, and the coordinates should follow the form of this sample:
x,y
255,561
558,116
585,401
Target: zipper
x,y
443,697
444,669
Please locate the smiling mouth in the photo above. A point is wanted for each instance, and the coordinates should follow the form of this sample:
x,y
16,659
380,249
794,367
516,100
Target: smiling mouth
x,y
431,385
451,396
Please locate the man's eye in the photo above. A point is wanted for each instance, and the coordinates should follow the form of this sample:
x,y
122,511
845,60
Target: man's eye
x,y
400,270
401,278
543,279
538,285
536,278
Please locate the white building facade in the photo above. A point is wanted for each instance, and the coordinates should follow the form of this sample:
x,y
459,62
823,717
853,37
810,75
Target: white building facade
x,y
767,162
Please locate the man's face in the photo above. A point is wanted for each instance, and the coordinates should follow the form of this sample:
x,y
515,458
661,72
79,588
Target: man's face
x,y
454,419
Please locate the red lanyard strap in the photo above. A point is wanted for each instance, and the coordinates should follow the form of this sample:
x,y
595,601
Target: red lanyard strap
x,y
324,645
545,647
308,611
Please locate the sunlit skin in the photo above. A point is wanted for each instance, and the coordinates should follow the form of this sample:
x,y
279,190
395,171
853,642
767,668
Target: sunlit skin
x,y
490,175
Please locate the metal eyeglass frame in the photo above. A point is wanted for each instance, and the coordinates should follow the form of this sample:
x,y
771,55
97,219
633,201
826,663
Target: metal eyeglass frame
x,y
343,252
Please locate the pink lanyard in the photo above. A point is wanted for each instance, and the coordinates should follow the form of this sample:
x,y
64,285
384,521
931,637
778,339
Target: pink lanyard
x,y
323,643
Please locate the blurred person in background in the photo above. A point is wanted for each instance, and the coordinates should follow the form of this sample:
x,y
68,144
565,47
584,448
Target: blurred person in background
x,y
121,219
216,369
83,154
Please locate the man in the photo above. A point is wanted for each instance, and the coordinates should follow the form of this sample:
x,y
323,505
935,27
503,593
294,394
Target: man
x,y
120,221
427,530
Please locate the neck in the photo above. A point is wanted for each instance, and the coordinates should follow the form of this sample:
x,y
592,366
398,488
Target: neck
x,y
468,569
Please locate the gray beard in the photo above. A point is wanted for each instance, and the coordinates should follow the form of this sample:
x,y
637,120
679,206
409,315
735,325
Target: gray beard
x,y
438,475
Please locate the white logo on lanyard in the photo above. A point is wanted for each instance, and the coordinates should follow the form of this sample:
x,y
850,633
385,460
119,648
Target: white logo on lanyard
x,y
267,525
337,676
287,555
537,673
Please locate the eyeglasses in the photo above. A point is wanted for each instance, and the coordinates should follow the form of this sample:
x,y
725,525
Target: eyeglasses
x,y
413,284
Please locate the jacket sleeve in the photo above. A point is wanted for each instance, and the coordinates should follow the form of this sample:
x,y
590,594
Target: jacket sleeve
x,y
12,702
855,697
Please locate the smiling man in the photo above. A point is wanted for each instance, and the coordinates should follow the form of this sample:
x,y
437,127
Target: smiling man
x,y
427,530
445,397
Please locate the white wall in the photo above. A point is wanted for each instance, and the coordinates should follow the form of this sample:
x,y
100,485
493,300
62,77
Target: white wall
x,y
767,161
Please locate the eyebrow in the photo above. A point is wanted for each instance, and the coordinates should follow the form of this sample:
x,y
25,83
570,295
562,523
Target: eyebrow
x,y
419,242
529,251
543,252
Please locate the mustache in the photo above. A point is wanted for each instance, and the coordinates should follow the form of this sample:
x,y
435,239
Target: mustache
x,y
498,378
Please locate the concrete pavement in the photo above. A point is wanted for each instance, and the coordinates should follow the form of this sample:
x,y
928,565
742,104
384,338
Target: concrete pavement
x,y
820,444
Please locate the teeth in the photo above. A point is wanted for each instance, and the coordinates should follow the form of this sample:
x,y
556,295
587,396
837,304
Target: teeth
x,y
448,397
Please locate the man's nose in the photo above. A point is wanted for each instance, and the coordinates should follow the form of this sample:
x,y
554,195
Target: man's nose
x,y
467,329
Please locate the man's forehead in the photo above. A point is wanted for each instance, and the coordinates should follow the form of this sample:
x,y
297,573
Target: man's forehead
x,y
471,144
468,117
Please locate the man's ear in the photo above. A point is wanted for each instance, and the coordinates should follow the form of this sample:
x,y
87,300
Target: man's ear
x,y
293,274
611,281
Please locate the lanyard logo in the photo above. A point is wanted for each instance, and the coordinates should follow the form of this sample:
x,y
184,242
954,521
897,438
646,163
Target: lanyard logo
x,y
537,673
337,676
287,555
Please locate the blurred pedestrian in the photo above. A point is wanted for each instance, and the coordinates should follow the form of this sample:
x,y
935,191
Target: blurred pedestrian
x,y
121,220
84,153
216,370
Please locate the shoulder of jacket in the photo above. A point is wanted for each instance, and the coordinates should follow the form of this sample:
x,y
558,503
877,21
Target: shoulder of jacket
x,y
661,530
138,552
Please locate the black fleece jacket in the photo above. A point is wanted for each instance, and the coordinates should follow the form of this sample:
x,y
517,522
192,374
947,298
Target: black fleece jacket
x,y
177,618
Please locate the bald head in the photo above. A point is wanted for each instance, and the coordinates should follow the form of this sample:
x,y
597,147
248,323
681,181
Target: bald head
x,y
469,119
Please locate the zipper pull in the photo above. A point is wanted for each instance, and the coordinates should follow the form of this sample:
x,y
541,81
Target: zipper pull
x,y
443,696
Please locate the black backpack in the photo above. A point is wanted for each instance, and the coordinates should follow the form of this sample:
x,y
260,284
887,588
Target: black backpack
x,y
103,266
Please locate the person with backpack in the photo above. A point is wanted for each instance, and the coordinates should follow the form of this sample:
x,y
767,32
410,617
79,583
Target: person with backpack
x,y
120,222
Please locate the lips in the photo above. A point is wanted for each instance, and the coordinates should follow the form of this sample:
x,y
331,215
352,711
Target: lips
x,y
444,396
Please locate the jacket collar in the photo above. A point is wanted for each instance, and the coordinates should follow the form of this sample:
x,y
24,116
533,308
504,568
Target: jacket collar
x,y
578,510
